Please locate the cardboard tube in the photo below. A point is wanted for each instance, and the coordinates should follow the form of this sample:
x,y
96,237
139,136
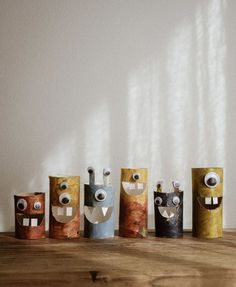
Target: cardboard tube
x,y
207,188
64,207
30,215
168,214
133,202
99,210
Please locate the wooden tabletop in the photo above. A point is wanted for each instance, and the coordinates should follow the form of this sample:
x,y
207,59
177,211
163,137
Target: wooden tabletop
x,y
118,262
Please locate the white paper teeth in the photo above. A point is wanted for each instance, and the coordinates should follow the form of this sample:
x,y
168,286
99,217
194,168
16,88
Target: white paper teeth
x,y
34,222
165,214
69,211
60,211
104,210
25,221
172,214
207,200
132,186
215,200
140,185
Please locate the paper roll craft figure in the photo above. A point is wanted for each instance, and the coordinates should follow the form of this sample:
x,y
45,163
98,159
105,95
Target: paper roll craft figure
x,y
30,215
207,187
133,202
64,207
99,207
168,211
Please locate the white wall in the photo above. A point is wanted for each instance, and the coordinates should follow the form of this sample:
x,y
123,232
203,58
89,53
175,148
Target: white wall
x,y
116,83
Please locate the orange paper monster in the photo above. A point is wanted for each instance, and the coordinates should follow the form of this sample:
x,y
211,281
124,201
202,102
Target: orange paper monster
x,y
30,215
133,202
64,207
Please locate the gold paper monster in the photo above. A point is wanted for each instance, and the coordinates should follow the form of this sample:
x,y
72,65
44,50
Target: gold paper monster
x,y
207,185
133,202
64,207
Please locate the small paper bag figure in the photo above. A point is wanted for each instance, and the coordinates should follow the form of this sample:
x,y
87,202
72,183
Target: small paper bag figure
x,y
168,211
64,207
30,215
207,187
133,202
99,207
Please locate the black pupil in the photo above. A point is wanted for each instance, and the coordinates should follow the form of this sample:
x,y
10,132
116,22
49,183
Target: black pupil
x,y
158,201
65,200
211,181
64,186
101,196
136,176
21,206
37,206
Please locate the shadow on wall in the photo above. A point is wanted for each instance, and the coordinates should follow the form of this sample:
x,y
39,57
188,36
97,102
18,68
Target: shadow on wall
x,y
110,84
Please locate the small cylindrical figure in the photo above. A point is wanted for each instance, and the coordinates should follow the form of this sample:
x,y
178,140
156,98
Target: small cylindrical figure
x,y
64,207
168,207
30,215
207,187
99,207
133,202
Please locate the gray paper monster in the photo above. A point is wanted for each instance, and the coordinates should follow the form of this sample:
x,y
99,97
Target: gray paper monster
x,y
99,207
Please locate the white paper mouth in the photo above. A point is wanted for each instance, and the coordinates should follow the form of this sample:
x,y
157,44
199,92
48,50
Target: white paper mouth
x,y
63,214
97,214
167,212
133,188
30,220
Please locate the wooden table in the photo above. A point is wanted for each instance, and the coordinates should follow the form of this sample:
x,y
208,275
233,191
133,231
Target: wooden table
x,y
118,262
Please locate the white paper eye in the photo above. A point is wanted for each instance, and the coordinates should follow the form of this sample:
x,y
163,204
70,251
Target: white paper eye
x,y
211,179
100,195
106,171
158,200
37,205
65,198
176,200
136,176
21,204
64,185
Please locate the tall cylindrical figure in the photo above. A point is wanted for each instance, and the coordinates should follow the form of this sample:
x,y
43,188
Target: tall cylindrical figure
x,y
99,207
64,207
133,202
207,187
30,215
168,208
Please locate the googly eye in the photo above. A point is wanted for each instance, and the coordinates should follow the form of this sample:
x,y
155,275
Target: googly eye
x,y
90,170
37,205
100,195
136,176
176,184
65,198
21,204
64,185
158,200
106,171
176,200
211,179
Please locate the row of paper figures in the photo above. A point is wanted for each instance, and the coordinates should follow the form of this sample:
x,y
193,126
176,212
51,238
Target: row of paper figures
x,y
207,188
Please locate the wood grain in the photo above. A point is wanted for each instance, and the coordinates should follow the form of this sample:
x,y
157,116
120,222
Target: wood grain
x,y
120,261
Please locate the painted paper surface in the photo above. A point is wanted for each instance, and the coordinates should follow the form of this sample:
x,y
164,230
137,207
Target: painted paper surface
x,y
99,207
207,188
30,215
133,202
64,207
168,213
